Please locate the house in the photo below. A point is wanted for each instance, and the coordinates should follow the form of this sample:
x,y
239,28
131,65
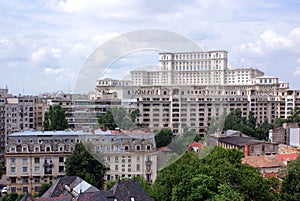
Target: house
x,y
237,140
270,165
37,157
71,188
194,146
288,134
128,190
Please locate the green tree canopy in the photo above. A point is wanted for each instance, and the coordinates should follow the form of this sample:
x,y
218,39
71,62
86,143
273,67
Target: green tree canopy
x,y
163,138
118,117
82,163
219,176
290,190
44,187
55,119
248,126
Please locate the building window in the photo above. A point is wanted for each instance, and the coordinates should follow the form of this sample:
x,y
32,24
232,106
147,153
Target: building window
x,y
24,149
24,160
138,167
61,169
36,188
12,170
24,169
138,158
36,160
148,147
48,148
36,149
138,147
116,167
37,169
148,157
24,180
13,189
25,189
116,158
12,160
13,149
36,179
13,180
61,159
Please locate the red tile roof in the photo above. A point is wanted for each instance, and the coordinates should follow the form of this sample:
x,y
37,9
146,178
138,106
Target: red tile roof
x,y
262,161
194,146
267,161
287,157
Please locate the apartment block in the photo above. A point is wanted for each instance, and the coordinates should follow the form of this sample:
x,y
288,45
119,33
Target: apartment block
x,y
193,88
37,157
34,158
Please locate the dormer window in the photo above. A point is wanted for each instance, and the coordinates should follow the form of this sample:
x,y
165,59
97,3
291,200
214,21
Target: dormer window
x,y
12,149
148,147
24,148
36,149
48,148
138,147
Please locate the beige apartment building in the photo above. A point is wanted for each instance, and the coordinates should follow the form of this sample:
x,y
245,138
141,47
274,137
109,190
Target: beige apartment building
x,y
36,157
193,88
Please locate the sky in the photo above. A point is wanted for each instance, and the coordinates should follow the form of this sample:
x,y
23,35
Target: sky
x,y
44,44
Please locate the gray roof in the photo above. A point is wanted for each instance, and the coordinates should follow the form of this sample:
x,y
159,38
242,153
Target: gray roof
x,y
240,141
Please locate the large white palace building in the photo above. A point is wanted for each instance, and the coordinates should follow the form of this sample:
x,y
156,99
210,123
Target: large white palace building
x,y
191,88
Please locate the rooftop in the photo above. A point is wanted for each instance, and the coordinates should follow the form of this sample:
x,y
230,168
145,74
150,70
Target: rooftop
x,y
240,141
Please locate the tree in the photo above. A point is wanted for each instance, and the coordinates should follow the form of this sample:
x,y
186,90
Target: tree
x,y
82,163
10,197
218,176
117,117
263,130
44,187
290,189
55,119
163,138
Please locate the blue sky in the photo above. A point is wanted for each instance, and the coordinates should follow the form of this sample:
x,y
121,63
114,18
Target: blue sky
x,y
44,44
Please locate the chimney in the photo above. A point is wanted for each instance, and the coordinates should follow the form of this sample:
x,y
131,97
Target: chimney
x,y
246,150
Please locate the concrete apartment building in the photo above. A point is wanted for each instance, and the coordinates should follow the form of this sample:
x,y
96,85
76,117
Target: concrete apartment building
x,y
191,88
36,157
127,153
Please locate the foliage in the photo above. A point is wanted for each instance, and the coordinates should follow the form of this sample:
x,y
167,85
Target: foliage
x,y
109,184
227,192
248,126
134,114
117,117
182,141
295,117
163,138
44,187
291,186
10,197
218,176
83,164
55,119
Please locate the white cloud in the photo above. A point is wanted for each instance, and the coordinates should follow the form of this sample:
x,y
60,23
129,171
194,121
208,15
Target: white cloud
x,y
298,60
4,42
274,41
271,41
297,71
45,53
65,74
51,71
